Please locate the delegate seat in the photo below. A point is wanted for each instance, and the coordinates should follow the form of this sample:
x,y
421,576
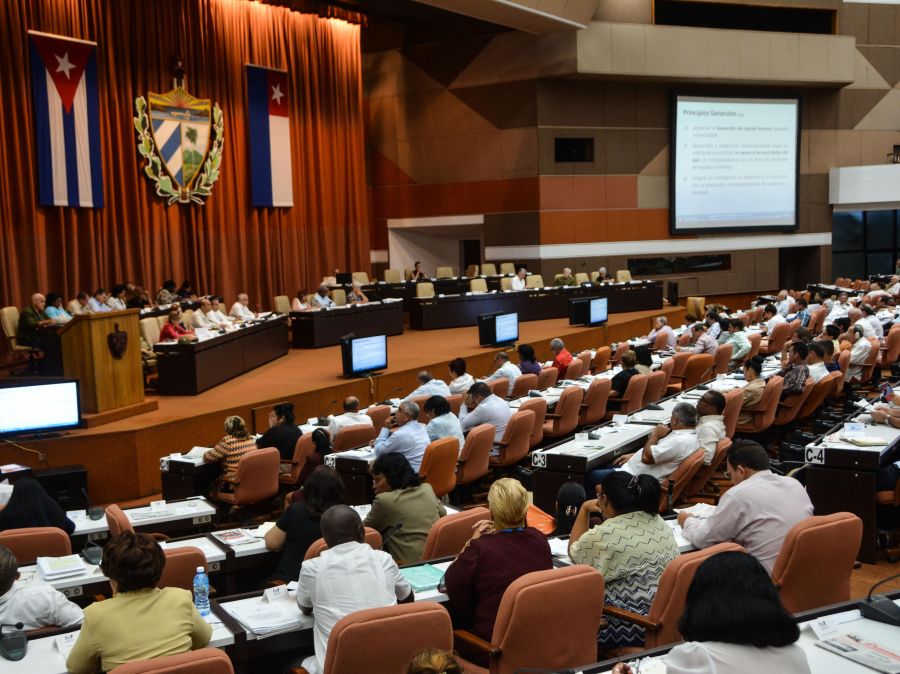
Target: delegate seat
x,y
318,546
755,340
539,407
722,359
507,268
672,490
472,270
593,406
499,387
29,543
450,533
257,478
633,398
473,462
424,290
734,400
514,445
181,567
289,475
534,281
656,387
490,269
776,340
524,384
705,472
679,364
576,369
564,419
201,661
621,348
360,277
444,272
393,276
786,410
764,412
378,414
660,342
623,276
353,436
587,359
697,370
547,378
478,285
439,465
601,359
455,401
281,304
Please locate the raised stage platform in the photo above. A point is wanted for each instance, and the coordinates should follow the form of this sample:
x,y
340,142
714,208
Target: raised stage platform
x,y
122,458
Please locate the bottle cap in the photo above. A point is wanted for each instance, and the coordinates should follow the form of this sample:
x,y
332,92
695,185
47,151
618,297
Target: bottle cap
x,y
200,569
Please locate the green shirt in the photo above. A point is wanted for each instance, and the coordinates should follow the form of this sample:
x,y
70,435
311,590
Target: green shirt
x,y
417,508
565,281
29,321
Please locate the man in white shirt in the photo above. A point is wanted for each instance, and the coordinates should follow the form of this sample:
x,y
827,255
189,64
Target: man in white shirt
x,y
784,303
322,298
347,577
518,281
403,434
701,341
79,306
351,417
839,309
856,318
428,386
662,326
97,304
712,324
216,313
815,362
35,604
859,353
240,311
869,316
710,423
757,512
203,317
505,369
483,407
771,318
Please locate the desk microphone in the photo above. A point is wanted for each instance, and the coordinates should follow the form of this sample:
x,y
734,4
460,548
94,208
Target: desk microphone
x,y
93,513
13,644
880,609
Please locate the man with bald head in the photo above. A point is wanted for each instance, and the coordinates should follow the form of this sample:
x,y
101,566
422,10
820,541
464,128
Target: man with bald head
x,y
349,576
240,310
351,417
32,331
204,318
857,317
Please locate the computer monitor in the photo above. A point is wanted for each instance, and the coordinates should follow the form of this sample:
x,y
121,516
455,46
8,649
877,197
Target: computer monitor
x,y
363,355
343,278
589,311
498,328
39,405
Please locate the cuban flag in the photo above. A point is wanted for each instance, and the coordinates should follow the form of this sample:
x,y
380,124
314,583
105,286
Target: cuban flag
x,y
67,121
270,137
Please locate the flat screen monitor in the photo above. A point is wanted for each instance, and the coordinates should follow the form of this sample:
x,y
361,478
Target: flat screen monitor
x,y
735,165
599,311
589,311
343,278
362,355
32,406
498,328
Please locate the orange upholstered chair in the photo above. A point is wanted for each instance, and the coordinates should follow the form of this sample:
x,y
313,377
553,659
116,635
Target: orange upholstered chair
x,y
576,368
573,591
588,360
734,400
499,387
786,411
722,359
439,465
776,340
661,623
455,402
32,542
660,342
419,401
593,406
378,414
373,538
475,455
891,351
755,340
633,398
685,338
539,407
871,361
117,520
667,366
181,567
564,419
516,439
257,478
621,348
524,384
384,640
816,320
202,661
601,359
701,477
673,488
697,370
656,387
679,363
302,451
824,388
450,533
816,559
764,412
547,378
353,436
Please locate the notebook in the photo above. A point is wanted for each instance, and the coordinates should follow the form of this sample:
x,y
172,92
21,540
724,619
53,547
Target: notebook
x,y
422,577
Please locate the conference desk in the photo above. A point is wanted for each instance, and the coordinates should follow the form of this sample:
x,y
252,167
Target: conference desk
x,y
827,290
325,327
189,369
454,311
406,290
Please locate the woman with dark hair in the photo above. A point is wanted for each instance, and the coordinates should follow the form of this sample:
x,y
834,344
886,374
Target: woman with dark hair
x,y
620,380
30,506
140,621
442,423
527,361
166,294
230,449
461,380
417,274
283,433
631,548
753,391
54,309
404,508
186,291
644,363
569,500
299,526
299,302
116,299
322,443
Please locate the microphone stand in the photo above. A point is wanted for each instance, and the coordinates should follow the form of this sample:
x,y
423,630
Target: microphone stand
x,y
880,609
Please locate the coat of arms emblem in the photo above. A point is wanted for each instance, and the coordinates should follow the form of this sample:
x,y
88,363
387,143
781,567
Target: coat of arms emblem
x,y
117,341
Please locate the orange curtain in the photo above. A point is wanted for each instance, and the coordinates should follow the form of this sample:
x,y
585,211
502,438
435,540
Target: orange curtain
x,y
226,246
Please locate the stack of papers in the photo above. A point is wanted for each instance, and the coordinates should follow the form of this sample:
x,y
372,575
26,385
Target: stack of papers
x,y
559,547
698,510
422,577
266,619
235,536
53,568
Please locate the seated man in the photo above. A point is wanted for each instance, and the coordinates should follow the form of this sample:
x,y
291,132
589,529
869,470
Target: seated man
x,y
565,279
802,313
771,318
662,327
518,281
859,353
79,306
796,373
217,314
740,343
404,434
712,324
31,331
97,304
166,295
561,356
505,369
784,302
356,295
701,341
240,310
815,361
203,317
869,316
322,298
757,512
710,423
351,417
349,576
428,386
481,406
839,309
36,604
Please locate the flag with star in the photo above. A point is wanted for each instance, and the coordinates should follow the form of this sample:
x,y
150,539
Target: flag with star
x,y
67,120
271,182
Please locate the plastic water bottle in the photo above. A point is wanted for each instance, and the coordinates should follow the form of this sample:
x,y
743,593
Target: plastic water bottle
x,y
201,591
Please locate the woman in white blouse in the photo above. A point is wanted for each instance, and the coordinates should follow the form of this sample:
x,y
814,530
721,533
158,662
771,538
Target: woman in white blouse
x,y
461,380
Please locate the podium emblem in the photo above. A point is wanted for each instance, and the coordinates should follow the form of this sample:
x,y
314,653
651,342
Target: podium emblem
x,y
117,341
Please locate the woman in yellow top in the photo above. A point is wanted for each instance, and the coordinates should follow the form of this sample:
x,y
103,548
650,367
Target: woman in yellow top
x,y
231,448
141,621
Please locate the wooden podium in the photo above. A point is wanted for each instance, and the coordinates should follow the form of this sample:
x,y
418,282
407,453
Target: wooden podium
x,y
111,383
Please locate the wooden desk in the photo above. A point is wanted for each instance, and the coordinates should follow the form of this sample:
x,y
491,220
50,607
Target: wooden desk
x,y
315,329
189,369
184,479
353,467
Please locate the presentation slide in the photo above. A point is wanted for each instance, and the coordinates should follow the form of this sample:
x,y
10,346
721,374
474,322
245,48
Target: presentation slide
x,y
507,328
369,353
735,163
599,310
23,408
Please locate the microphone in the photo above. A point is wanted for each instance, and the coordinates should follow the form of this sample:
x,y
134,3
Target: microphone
x,y
880,609
93,513
13,644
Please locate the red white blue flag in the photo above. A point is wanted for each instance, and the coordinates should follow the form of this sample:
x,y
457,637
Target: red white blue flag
x,y
67,121
271,180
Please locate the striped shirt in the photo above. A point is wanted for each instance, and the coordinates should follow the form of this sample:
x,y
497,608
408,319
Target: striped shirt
x,y
229,451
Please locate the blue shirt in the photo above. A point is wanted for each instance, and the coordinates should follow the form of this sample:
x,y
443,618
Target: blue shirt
x,y
410,440
58,314
322,301
445,426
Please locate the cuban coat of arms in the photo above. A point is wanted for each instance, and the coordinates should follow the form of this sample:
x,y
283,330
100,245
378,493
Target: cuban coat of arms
x,y
180,138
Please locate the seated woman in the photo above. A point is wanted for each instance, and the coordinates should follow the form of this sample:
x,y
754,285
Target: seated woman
x,y
230,449
569,500
298,527
283,433
528,363
418,274
644,358
186,291
631,548
754,389
30,506
402,498
734,622
174,328
54,309
166,295
116,299
322,444
299,302
140,621
501,550
461,380
442,423
356,295
621,379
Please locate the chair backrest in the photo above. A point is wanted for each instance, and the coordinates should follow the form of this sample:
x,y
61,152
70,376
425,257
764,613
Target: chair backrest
x,y
455,402
755,340
507,268
303,449
701,477
32,542
397,632
490,269
587,359
472,270
478,285
516,438
656,388
778,337
891,348
660,342
439,465
450,533
685,338
474,460
425,289
281,304
678,481
666,368
539,407
785,414
795,325
768,404
697,370
378,414
581,277
871,359
671,593
524,384
547,378
444,272
601,359
257,476
181,567
318,546
696,306
679,364
360,277
117,520
420,400
339,295
816,559
187,317
593,407
816,320
150,330
722,359
353,436
9,318
621,348
506,283
499,387
534,281
623,275
734,400
393,276
633,398
576,368
201,661
565,418
824,388
573,591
